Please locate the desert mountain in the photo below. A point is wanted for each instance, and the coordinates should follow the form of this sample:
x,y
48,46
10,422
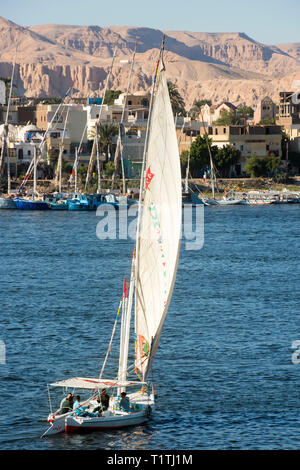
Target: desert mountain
x,y
218,66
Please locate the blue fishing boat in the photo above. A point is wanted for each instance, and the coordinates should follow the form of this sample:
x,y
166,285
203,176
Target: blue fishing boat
x,y
31,204
57,202
81,202
59,205
109,198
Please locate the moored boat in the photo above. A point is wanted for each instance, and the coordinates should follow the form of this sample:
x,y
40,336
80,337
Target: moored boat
x,y
31,204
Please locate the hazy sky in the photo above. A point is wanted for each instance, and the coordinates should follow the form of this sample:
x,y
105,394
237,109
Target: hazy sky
x,y
267,21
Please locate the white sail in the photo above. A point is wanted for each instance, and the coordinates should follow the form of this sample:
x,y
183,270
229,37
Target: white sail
x,y
160,230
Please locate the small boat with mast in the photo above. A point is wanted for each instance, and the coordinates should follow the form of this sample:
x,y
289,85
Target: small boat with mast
x,y
6,201
149,290
34,202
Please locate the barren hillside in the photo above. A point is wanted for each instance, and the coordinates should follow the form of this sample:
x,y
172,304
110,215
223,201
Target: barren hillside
x,y
219,66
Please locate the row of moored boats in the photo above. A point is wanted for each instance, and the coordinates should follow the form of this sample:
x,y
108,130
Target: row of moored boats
x,y
251,198
65,201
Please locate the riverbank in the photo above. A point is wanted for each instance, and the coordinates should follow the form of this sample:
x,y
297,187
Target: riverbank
x,y
223,185
244,185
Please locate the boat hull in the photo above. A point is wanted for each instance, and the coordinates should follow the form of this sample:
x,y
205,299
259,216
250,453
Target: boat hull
x,y
77,206
230,202
57,206
27,204
109,420
104,423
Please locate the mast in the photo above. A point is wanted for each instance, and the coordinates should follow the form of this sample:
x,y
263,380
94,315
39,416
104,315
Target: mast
x,y
31,165
76,170
186,186
122,334
98,163
119,144
61,149
212,170
6,134
34,173
125,327
91,162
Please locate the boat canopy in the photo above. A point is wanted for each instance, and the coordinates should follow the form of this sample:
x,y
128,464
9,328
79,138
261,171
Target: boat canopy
x,y
90,383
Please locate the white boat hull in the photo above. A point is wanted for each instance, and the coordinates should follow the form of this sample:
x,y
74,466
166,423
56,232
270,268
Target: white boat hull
x,y
110,419
69,424
230,202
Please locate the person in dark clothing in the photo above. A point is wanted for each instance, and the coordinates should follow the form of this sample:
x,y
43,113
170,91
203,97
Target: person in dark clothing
x,y
66,404
104,399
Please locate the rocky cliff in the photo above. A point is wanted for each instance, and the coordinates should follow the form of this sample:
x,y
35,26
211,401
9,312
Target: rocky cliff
x,y
217,66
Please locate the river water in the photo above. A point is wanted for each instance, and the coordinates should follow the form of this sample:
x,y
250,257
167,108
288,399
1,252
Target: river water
x,y
227,369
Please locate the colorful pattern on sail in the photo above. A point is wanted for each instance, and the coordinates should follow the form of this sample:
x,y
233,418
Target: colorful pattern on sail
x,y
160,231
149,177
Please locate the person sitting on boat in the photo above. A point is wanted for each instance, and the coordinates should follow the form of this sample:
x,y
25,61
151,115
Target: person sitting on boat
x,y
124,402
66,404
104,399
79,409
98,408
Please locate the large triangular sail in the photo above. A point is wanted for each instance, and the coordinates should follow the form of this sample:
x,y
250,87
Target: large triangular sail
x,y
160,230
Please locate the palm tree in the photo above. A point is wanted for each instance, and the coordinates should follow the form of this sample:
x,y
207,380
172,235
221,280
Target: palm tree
x,y
106,133
177,102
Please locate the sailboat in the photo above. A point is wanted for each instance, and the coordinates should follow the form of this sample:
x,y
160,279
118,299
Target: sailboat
x,y
27,203
58,202
7,202
196,199
153,273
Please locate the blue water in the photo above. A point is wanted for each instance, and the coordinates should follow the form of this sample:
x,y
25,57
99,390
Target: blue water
x,y
224,372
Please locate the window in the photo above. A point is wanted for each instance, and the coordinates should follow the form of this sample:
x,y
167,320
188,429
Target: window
x,y
29,152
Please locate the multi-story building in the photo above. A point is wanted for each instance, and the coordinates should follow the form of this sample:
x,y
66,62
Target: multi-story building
x,y
266,109
76,132
289,118
249,140
210,114
136,107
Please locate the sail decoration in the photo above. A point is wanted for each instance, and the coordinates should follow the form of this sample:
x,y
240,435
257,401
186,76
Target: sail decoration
x,y
160,230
